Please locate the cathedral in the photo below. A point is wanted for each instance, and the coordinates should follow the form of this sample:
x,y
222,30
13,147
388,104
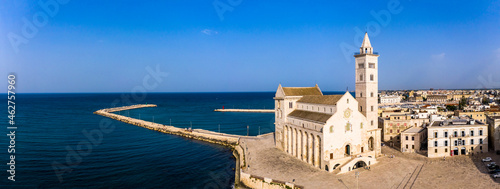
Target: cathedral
x,y
332,132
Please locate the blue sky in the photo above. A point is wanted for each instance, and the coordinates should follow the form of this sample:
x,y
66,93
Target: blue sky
x,y
105,46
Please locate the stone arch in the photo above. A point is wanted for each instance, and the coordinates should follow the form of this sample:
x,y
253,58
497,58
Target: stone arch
x,y
336,165
371,144
285,138
310,146
294,142
317,151
290,139
304,146
359,164
299,143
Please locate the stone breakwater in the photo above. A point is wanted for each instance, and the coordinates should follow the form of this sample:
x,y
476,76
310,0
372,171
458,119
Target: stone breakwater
x,y
198,134
128,107
246,110
232,141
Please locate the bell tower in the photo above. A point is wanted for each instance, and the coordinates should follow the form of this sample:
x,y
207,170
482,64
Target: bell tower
x,y
367,82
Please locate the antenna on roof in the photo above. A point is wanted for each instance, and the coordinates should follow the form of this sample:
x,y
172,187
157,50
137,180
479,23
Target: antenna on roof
x,y
347,89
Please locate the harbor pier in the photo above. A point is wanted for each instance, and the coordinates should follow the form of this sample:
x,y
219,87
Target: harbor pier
x,y
246,110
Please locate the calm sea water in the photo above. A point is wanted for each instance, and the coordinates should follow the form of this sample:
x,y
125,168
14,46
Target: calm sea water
x,y
59,137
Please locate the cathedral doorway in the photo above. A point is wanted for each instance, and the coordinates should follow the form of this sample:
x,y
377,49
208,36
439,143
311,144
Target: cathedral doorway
x,y
348,150
359,164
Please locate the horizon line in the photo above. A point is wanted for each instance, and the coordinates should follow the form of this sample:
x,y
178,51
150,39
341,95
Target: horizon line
x,y
235,91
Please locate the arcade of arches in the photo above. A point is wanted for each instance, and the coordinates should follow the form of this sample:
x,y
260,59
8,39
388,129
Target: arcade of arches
x,y
303,144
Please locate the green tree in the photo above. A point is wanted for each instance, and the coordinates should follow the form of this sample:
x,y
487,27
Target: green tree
x,y
486,101
405,97
462,103
451,107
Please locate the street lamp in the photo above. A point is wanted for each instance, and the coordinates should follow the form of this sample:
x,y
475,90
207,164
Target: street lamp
x,y
357,179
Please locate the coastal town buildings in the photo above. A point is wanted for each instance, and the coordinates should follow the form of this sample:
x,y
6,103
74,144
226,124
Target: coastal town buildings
x,y
477,115
456,136
390,99
437,98
494,130
393,124
332,132
416,98
413,139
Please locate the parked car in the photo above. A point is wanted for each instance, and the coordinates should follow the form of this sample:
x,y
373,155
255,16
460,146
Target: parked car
x,y
496,175
487,159
494,167
494,171
491,164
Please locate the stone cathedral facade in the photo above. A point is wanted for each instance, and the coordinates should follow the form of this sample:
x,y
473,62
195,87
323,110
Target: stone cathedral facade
x,y
332,132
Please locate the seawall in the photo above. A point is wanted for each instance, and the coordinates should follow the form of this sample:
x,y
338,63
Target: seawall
x,y
198,134
242,179
246,110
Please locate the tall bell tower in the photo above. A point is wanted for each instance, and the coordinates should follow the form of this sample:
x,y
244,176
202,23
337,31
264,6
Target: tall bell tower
x,y
367,82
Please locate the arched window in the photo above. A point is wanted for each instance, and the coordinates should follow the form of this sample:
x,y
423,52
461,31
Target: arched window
x,y
371,77
361,77
361,125
331,129
371,94
348,126
370,143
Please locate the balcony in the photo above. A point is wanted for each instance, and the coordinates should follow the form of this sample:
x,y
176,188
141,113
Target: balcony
x,y
459,136
358,53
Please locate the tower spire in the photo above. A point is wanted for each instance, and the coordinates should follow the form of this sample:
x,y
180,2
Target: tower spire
x,y
366,41
366,46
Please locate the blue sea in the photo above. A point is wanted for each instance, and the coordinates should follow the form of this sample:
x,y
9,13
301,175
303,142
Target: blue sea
x,y
60,143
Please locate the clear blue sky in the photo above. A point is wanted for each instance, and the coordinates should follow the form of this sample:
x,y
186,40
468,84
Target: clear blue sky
x,y
105,46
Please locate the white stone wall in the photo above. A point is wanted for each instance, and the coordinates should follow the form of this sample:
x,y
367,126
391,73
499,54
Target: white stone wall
x,y
390,99
443,150
320,108
356,136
